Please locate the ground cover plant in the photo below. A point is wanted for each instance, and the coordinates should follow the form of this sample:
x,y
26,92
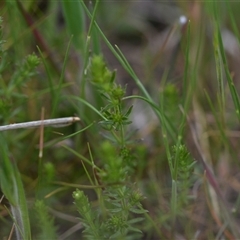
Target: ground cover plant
x,y
152,149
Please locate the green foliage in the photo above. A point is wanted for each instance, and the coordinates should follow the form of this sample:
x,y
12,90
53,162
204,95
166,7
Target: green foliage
x,y
118,165
171,101
114,170
24,72
185,167
116,220
110,166
12,187
123,203
104,80
100,75
10,180
88,215
75,19
49,171
1,40
10,92
171,98
4,103
45,222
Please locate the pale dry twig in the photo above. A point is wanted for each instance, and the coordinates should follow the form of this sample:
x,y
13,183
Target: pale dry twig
x,y
55,122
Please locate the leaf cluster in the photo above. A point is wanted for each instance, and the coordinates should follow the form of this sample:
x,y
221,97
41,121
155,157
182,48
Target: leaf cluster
x,y
121,203
104,80
45,222
185,168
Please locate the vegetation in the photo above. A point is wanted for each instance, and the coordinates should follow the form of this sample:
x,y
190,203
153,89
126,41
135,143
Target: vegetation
x,y
155,155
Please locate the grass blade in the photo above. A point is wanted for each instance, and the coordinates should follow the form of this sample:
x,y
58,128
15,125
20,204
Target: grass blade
x,y
12,187
75,20
233,91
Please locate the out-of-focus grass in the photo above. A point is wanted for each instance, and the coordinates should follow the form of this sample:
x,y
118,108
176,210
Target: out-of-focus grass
x,y
194,116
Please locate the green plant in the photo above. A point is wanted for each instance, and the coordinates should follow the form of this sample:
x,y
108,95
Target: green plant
x,y
114,221
45,222
114,218
184,174
175,176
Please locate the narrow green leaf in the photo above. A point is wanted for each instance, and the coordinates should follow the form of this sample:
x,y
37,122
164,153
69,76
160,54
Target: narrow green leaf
x,y
129,111
134,229
138,211
12,187
136,220
231,84
75,20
